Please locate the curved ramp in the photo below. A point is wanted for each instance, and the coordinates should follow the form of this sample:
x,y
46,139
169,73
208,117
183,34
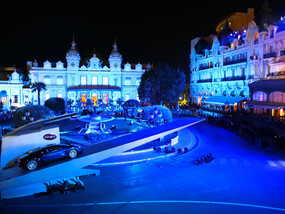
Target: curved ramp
x,y
17,177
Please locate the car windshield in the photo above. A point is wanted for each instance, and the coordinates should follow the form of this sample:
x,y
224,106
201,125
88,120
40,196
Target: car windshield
x,y
34,150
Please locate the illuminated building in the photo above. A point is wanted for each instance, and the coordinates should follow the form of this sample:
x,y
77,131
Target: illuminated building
x,y
12,92
225,64
93,81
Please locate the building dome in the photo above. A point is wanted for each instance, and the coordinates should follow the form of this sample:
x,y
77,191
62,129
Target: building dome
x,y
73,51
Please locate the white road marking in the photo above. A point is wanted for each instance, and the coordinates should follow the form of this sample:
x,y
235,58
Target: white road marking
x,y
282,163
271,163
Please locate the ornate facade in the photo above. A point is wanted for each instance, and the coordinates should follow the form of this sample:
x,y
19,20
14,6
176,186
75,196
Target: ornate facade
x,y
12,92
94,81
225,64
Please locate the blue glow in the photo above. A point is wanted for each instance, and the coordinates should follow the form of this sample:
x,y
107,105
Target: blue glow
x,y
153,202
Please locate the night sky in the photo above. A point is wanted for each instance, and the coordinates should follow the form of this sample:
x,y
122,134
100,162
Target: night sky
x,y
146,31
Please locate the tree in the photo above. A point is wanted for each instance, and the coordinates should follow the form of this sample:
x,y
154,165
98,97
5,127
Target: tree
x,y
56,104
36,112
38,86
161,85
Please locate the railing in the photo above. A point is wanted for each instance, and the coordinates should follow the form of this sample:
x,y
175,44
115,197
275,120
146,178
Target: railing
x,y
233,78
207,80
235,61
205,67
268,55
275,75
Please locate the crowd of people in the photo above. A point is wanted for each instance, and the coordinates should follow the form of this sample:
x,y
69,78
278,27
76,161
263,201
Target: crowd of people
x,y
258,129
5,116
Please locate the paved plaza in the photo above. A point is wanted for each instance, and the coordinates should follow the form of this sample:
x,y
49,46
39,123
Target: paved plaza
x,y
242,178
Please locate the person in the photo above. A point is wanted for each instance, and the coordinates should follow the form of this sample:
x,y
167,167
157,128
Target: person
x,y
79,185
65,187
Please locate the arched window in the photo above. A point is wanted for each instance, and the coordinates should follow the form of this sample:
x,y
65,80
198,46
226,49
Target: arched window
x,y
277,97
235,44
3,96
259,96
256,36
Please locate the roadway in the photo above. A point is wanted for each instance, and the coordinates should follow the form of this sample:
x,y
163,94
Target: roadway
x,y
243,178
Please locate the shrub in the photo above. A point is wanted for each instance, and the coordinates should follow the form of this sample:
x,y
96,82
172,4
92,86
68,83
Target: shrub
x,y
131,106
166,113
56,104
36,111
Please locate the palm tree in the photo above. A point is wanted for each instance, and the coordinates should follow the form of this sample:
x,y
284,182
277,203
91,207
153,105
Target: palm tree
x,y
38,86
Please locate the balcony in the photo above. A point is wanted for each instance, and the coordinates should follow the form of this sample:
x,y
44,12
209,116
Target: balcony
x,y
276,75
233,78
269,55
205,67
203,81
235,61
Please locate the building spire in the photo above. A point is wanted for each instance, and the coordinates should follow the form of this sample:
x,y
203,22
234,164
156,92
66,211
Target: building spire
x,y
115,48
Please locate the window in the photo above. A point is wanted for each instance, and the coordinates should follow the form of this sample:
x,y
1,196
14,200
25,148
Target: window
x,y
105,81
256,36
128,81
259,96
59,80
277,96
84,98
47,96
105,98
94,81
94,99
26,99
127,97
236,45
83,80
47,80
16,98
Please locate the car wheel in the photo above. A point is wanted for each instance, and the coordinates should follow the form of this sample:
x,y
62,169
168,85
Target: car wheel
x,y
72,153
32,165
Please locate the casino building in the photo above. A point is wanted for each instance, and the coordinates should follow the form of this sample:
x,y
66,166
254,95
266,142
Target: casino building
x,y
224,65
83,82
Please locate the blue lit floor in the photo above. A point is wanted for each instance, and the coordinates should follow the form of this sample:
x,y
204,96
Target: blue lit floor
x,y
242,179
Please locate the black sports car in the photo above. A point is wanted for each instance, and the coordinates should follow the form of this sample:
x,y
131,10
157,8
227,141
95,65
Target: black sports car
x,y
39,156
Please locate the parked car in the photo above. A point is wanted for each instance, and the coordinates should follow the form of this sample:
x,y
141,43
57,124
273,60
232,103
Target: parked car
x,y
39,156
